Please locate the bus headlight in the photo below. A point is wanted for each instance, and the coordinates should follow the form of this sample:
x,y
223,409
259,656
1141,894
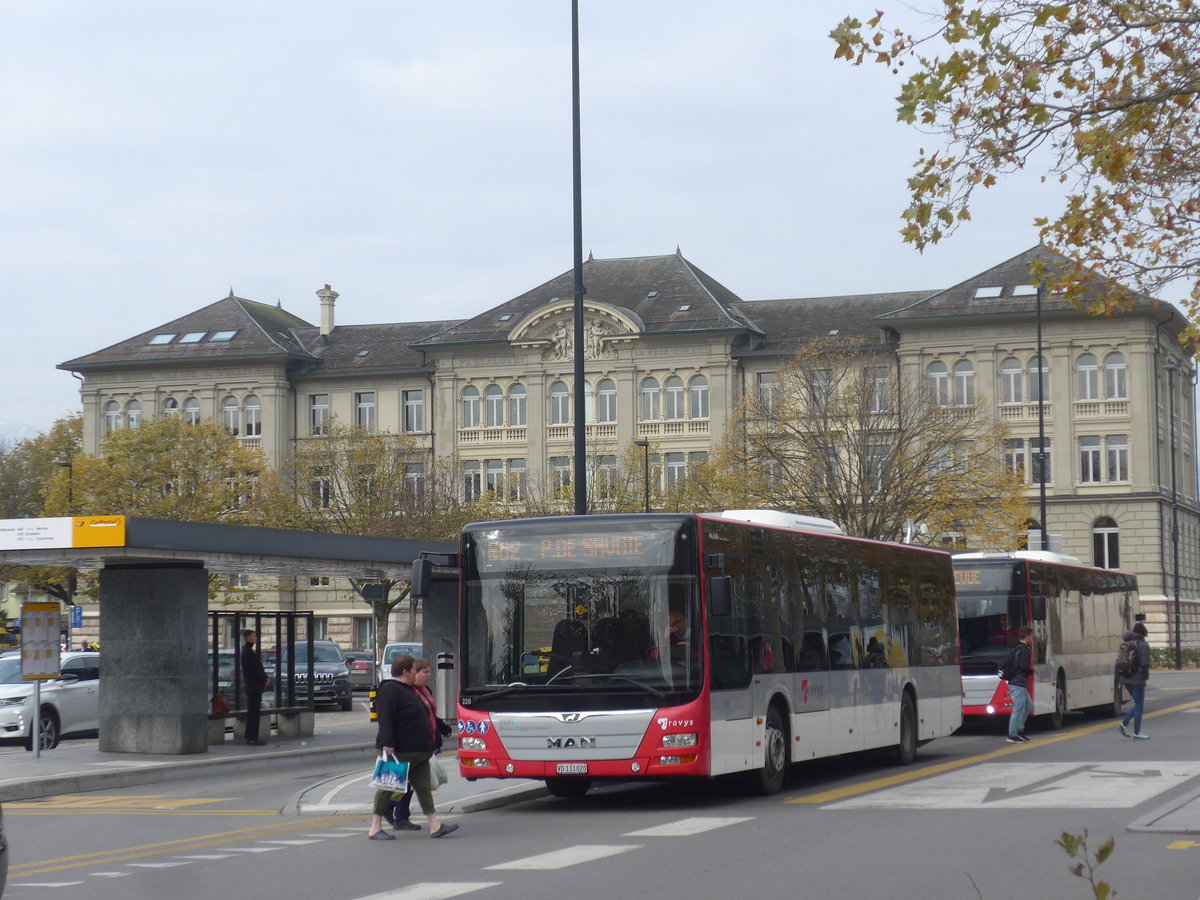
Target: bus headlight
x,y
679,740
472,743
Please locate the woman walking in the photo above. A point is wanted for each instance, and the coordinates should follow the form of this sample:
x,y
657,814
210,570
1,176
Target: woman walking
x,y
406,731
398,810
1136,683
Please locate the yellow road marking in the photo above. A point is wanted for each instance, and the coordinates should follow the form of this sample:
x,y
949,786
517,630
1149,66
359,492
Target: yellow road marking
x,y
105,857
135,811
76,802
1182,845
878,784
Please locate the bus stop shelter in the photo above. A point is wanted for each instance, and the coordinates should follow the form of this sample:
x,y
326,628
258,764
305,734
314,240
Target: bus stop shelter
x,y
154,603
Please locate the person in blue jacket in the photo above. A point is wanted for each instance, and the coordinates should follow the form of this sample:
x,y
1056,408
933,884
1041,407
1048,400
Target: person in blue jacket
x,y
1136,683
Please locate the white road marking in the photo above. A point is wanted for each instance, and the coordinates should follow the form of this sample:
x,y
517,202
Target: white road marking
x,y
434,890
328,796
294,843
160,865
53,884
108,874
209,856
688,827
571,856
250,849
1103,785
334,834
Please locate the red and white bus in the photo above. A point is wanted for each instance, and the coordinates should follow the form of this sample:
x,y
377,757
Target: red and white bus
x,y
657,646
1078,614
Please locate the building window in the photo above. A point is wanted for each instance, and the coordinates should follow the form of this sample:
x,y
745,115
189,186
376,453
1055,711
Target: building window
x,y
939,384
676,468
231,416
877,386
472,486
516,406
765,383
1040,466
320,490
318,581
253,416
414,411
365,411
606,477
470,407
320,626
820,388
1116,457
493,406
964,383
191,411
877,465
318,413
1010,381
133,414
698,397
362,633
606,401
1106,544
673,398
560,472
170,407
1039,365
414,479
1115,387
560,404
493,475
112,416
649,400
1014,457
1088,377
1089,459
516,479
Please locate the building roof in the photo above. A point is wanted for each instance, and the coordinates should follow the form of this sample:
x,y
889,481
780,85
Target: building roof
x,y
232,328
789,322
353,349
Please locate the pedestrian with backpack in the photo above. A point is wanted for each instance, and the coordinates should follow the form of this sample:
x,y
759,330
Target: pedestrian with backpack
x,y
1138,649
1017,670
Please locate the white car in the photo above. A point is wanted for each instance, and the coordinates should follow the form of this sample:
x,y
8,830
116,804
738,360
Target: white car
x,y
70,703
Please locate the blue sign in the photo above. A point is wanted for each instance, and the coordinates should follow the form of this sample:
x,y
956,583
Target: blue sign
x,y
77,616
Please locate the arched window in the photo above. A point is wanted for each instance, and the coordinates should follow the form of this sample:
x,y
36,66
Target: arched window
x,y
253,416
964,383
606,401
673,398
1115,387
170,407
1106,550
1036,365
698,397
1011,381
516,406
231,416
560,404
650,397
470,407
112,416
1088,378
493,406
939,383
191,411
133,414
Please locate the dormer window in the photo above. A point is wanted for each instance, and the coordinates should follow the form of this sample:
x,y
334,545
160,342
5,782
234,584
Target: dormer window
x,y
1025,290
986,293
222,336
193,337
685,307
163,338
652,295
505,318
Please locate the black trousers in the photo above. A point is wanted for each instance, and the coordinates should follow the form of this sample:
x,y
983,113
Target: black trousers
x,y
253,714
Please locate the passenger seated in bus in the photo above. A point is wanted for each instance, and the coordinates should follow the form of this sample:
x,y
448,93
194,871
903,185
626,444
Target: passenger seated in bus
x,y
812,653
567,644
1002,633
876,656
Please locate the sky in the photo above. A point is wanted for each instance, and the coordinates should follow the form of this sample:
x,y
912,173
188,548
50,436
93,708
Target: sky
x,y
417,157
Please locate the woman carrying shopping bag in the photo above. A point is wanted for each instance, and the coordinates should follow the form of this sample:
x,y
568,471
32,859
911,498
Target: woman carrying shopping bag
x,y
398,810
407,731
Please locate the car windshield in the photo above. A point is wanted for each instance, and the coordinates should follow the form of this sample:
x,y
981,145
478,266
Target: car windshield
x,y
10,670
395,650
326,653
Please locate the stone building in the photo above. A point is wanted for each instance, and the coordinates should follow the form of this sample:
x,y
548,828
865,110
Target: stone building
x,y
669,354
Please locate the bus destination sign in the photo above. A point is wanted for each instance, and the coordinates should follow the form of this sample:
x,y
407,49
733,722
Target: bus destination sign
x,y
592,547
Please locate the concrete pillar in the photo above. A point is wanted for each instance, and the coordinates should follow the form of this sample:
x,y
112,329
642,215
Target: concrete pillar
x,y
154,694
439,613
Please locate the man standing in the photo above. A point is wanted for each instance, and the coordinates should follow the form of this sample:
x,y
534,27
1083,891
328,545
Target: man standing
x,y
1135,682
1017,670
254,677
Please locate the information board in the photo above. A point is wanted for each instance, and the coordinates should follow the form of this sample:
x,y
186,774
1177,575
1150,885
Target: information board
x,y
41,628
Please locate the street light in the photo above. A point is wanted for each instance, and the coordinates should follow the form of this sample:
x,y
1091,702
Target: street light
x,y
71,584
645,445
1041,454
1171,368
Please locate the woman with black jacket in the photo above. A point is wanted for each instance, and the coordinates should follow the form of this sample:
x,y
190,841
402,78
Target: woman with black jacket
x,y
407,732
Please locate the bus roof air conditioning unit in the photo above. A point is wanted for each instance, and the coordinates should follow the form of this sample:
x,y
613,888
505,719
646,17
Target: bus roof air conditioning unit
x,y
782,520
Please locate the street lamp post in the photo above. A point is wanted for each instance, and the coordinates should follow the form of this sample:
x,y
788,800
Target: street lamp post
x,y
66,464
1171,368
645,445
579,291
1041,454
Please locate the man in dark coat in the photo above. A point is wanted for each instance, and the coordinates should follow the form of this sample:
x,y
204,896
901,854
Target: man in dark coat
x,y
254,677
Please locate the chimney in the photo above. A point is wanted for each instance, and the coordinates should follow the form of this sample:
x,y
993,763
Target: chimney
x,y
327,296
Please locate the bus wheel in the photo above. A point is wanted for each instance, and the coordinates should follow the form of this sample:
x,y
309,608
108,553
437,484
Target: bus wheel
x,y
570,788
906,750
769,779
1060,702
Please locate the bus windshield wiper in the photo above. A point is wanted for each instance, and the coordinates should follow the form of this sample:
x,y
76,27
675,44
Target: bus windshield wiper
x,y
648,688
500,692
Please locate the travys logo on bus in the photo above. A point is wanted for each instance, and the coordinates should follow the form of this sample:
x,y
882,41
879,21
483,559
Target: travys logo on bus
x,y
811,692
664,723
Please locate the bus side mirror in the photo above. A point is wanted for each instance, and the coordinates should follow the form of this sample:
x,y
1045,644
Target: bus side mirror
x,y
1039,607
422,577
720,595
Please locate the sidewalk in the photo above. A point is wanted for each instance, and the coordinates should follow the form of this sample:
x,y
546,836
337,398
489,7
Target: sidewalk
x,y
76,766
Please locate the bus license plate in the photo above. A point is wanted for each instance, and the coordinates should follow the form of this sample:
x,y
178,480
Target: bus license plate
x,y
571,768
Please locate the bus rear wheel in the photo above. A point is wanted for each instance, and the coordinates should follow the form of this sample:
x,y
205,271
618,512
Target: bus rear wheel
x,y
769,779
906,750
1055,718
569,788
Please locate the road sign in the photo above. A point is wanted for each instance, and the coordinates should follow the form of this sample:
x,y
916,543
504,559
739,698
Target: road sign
x,y
76,616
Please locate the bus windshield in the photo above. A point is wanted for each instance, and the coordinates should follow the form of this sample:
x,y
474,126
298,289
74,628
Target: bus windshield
x,y
992,607
611,608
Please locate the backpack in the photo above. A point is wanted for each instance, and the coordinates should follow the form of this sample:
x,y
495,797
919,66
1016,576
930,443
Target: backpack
x,y
1127,659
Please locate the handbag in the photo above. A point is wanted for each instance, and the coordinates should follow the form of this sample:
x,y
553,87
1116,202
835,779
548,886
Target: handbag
x,y
390,775
437,773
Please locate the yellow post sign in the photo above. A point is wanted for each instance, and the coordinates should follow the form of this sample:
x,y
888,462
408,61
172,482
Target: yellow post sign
x,y
98,531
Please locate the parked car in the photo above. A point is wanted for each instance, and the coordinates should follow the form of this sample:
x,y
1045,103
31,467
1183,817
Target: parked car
x,y
361,665
391,651
70,703
330,675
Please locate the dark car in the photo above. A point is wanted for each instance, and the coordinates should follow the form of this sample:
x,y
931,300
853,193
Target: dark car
x,y
330,676
361,666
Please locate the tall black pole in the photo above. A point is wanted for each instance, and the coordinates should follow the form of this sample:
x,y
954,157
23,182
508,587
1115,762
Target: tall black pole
x,y
645,445
1171,369
1041,454
580,408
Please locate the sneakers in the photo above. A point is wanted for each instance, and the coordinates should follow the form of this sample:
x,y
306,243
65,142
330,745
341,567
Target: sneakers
x,y
1124,729
405,825
1141,736
1014,739
1023,736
